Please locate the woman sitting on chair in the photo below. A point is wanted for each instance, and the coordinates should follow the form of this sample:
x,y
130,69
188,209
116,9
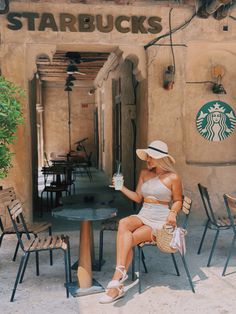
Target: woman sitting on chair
x,y
157,187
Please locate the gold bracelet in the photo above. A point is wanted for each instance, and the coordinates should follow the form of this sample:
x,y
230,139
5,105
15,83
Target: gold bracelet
x,y
173,211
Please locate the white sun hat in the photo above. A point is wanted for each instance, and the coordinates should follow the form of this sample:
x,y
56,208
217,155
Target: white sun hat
x,y
156,149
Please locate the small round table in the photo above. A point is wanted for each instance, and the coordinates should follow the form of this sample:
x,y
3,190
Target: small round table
x,y
86,284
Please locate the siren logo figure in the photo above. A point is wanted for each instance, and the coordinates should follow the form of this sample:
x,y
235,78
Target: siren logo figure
x,y
215,121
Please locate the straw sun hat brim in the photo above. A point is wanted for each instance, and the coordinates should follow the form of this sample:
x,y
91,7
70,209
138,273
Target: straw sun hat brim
x,y
144,153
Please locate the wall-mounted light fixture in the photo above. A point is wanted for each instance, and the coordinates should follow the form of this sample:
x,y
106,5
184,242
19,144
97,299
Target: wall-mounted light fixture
x,y
217,74
169,77
218,89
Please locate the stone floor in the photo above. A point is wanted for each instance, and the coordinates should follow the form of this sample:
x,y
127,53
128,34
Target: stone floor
x,y
163,291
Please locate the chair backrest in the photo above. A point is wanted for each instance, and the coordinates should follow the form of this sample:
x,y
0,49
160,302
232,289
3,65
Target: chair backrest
x,y
16,214
207,204
56,172
230,203
6,197
186,208
183,215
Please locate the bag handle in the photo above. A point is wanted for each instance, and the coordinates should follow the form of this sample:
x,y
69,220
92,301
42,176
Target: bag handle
x,y
169,228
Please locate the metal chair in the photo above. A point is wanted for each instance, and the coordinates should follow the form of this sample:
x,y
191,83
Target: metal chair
x,y
230,203
214,221
55,181
85,165
36,245
6,197
187,203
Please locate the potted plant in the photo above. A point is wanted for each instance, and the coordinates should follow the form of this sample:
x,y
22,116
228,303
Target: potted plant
x,y
10,118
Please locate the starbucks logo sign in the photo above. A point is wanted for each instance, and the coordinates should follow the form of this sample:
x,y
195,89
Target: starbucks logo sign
x,y
215,121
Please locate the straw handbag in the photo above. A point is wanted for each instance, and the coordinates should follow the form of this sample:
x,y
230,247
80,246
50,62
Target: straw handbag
x,y
163,237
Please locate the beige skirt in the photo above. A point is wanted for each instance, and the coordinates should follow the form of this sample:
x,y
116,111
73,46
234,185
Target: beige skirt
x,y
153,215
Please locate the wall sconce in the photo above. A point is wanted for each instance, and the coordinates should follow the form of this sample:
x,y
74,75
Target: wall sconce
x,y
217,73
169,76
218,89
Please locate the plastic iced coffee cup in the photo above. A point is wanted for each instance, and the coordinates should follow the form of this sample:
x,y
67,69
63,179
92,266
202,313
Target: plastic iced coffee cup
x,y
118,181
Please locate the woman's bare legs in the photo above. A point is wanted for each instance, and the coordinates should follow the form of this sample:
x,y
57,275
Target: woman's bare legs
x,y
142,234
124,240
131,231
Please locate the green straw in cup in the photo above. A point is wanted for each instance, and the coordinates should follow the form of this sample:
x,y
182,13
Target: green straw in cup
x,y
118,169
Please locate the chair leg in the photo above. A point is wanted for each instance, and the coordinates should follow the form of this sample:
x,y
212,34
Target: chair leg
x,y
37,263
50,253
213,248
187,272
100,250
51,201
66,272
90,175
203,237
23,258
139,270
16,250
229,255
41,205
133,265
143,261
175,264
69,260
1,238
24,268
47,203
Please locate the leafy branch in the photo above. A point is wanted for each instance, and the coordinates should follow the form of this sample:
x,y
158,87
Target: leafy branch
x,y
10,118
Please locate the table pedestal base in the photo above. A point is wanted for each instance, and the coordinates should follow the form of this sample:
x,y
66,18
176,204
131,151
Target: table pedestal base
x,y
95,265
75,291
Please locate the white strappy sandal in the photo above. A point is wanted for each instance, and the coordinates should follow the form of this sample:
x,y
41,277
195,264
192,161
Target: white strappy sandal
x,y
117,283
105,299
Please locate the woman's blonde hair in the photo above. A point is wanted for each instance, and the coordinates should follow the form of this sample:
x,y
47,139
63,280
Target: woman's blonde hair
x,y
165,164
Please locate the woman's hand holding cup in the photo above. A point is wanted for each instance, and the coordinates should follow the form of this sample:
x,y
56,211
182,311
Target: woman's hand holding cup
x,y
117,181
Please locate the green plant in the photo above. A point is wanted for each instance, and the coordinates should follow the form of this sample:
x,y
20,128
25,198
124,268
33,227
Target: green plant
x,y
10,118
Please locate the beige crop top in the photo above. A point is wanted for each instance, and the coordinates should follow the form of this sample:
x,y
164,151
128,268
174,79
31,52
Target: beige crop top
x,y
155,189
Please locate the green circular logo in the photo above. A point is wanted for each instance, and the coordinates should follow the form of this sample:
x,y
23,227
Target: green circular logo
x,y
215,121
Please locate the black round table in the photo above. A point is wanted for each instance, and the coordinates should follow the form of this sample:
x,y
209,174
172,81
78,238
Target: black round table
x,y
86,284
95,198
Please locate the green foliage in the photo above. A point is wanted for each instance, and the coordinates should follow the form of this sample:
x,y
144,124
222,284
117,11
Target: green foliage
x,y
10,118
